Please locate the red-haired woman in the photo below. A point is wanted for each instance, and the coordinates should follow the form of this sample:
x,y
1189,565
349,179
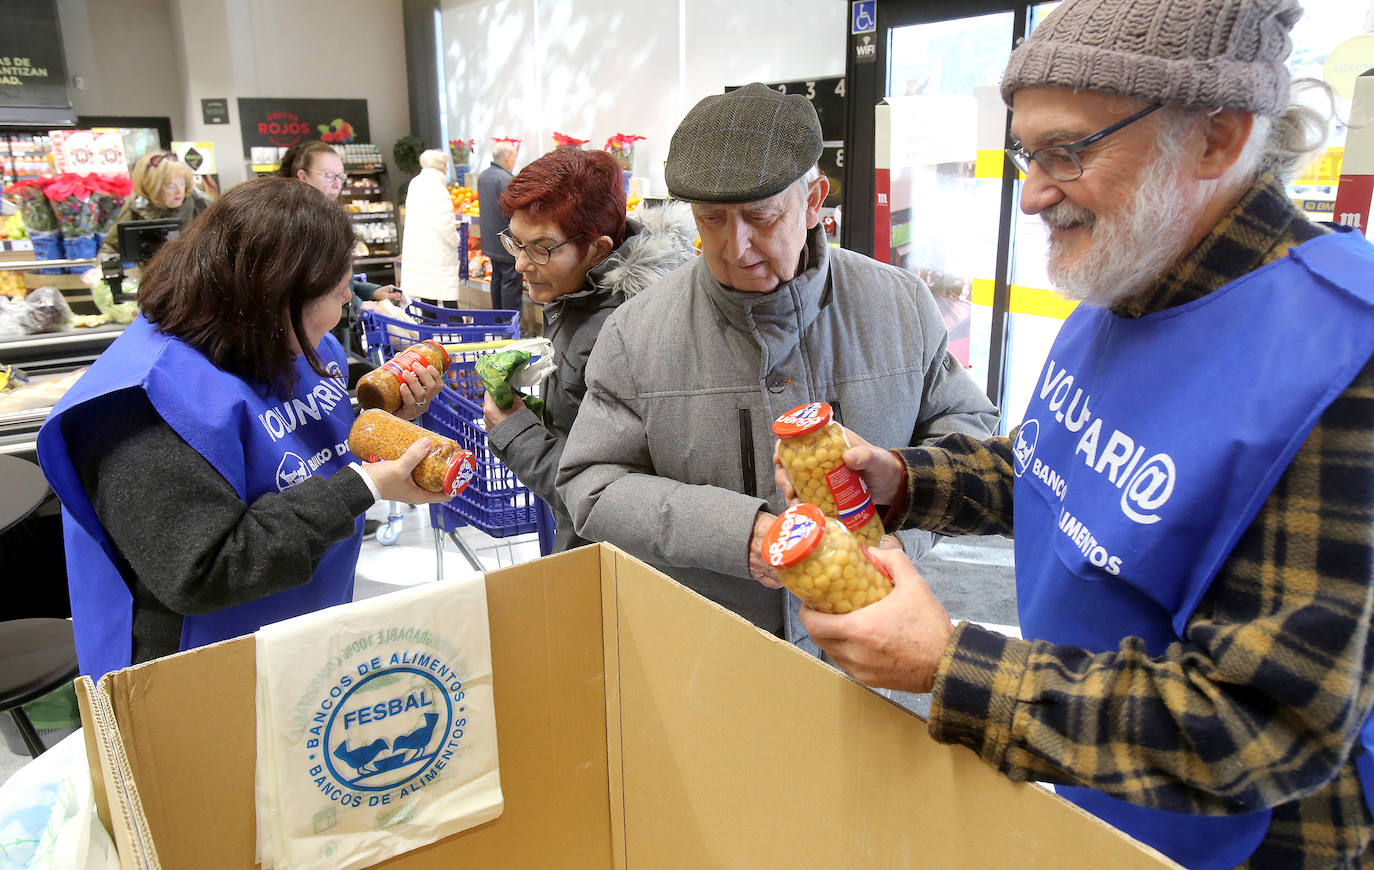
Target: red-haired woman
x,y
581,257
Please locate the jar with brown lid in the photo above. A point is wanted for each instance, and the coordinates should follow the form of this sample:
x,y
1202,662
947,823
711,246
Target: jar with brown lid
x,y
811,448
377,435
820,562
381,387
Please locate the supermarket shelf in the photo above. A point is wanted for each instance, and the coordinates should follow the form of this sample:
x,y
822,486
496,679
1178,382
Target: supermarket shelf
x,y
67,340
27,265
377,260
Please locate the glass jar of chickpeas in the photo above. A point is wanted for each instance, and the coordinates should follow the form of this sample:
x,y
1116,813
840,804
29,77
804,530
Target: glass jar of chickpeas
x,y
811,447
820,562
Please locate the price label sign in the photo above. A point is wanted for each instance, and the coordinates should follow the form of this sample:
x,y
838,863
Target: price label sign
x,y
81,151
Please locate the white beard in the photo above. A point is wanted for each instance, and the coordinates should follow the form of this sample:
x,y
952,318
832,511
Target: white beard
x,y
1128,252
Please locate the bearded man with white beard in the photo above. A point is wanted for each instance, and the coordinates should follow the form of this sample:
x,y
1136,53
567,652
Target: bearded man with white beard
x,y
1192,488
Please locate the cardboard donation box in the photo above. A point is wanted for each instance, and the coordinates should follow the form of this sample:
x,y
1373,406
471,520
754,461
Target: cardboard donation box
x,y
639,726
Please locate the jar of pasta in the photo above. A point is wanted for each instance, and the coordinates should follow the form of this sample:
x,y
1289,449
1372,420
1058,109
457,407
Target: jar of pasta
x,y
381,387
377,435
820,562
811,447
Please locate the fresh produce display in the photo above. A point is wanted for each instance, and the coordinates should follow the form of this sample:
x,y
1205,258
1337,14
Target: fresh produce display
x,y
12,228
12,285
810,447
479,267
119,312
633,202
820,562
464,200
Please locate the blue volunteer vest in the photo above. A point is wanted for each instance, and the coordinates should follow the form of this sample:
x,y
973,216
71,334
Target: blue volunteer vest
x,y
1149,446
259,443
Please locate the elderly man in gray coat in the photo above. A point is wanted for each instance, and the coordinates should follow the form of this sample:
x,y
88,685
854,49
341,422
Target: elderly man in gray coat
x,y
671,454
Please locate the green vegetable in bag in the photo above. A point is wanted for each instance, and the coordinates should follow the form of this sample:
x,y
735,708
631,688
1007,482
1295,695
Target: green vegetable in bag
x,y
122,312
496,370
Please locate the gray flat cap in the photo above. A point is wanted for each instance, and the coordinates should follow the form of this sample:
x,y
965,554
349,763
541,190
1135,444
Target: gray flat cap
x,y
743,146
1213,53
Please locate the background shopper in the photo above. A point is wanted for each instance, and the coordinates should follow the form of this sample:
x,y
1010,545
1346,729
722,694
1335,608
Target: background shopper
x,y
202,461
431,249
671,453
164,188
320,166
506,289
582,257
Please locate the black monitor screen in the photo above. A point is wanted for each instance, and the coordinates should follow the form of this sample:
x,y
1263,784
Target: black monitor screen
x,y
139,240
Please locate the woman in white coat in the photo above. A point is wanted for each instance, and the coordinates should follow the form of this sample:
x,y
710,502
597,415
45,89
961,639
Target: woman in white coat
x,y
430,247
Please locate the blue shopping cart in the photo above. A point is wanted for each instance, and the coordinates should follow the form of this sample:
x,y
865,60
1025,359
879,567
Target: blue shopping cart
x,y
494,502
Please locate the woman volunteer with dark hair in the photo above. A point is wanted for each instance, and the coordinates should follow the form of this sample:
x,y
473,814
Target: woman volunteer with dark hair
x,y
581,257
203,461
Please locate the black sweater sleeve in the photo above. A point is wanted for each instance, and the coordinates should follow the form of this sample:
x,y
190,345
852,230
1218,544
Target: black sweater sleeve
x,y
190,543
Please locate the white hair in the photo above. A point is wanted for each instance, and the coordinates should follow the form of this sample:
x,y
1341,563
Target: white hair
x,y
1298,136
433,159
1284,145
501,151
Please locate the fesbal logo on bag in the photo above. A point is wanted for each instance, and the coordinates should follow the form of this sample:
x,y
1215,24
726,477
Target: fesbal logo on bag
x,y
390,722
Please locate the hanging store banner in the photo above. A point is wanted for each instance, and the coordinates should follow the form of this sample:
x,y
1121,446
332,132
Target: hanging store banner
x,y
33,69
286,121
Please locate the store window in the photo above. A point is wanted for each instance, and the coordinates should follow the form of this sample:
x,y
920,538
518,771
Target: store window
x,y
943,140
1334,43
944,134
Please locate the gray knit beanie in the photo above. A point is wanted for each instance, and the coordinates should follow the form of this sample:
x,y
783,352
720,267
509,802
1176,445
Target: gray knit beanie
x,y
1207,53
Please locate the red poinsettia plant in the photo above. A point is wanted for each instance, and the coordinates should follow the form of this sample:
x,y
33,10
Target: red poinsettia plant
x,y
622,148
109,193
34,207
563,140
70,195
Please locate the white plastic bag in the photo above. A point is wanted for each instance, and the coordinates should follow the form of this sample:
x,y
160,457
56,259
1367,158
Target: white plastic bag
x,y
47,814
539,369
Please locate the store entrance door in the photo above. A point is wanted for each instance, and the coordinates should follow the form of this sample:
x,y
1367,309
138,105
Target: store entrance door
x,y
944,201
945,196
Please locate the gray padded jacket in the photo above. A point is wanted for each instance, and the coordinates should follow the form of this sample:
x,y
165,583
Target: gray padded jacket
x,y
671,455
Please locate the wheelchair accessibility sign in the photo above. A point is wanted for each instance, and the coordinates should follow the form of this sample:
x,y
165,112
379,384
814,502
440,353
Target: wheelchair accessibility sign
x,y
864,16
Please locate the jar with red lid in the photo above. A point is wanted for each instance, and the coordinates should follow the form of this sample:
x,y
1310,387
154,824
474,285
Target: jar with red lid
x,y
820,562
811,448
381,387
447,468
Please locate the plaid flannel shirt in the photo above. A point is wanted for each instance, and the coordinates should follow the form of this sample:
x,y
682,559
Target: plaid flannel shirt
x,y
1261,703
